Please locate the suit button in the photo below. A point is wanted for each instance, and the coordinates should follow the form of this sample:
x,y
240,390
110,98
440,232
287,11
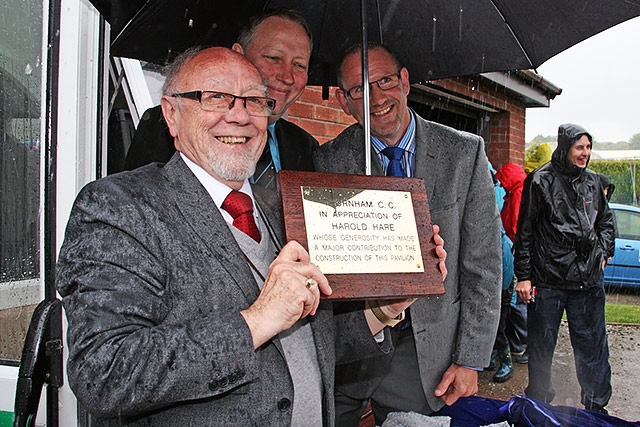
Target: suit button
x,y
213,385
284,404
223,382
233,378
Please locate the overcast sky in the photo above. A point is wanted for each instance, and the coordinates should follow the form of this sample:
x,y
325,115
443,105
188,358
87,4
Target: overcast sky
x,y
600,81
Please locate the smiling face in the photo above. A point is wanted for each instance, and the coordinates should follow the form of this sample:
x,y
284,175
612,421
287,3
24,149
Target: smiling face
x,y
580,152
226,145
280,49
389,114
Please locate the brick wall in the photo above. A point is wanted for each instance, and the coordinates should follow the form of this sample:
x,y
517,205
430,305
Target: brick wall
x,y
322,119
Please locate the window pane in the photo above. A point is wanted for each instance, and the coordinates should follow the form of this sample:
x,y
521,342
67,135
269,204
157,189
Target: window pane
x,y
20,86
628,224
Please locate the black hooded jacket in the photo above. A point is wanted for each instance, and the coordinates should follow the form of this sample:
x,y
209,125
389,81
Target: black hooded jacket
x,y
565,227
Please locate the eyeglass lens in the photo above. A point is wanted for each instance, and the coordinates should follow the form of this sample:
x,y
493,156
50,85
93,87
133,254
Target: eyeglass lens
x,y
222,102
384,83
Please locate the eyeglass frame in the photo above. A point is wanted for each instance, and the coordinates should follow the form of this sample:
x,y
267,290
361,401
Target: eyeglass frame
x,y
376,82
197,94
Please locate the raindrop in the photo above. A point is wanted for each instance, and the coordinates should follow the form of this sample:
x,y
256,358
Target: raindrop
x,y
28,69
433,35
460,25
190,23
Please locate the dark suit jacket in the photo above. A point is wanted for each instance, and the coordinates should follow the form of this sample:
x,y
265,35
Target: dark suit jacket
x,y
152,282
152,142
460,326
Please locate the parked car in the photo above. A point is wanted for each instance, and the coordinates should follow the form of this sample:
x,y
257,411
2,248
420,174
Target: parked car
x,y
623,270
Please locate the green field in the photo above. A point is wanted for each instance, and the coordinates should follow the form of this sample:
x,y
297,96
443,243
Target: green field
x,y
622,313
619,313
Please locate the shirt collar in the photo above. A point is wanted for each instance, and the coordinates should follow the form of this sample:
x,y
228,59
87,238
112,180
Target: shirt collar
x,y
407,142
216,189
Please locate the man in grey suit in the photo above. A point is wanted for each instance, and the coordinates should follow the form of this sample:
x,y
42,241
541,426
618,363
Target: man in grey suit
x,y
180,313
436,353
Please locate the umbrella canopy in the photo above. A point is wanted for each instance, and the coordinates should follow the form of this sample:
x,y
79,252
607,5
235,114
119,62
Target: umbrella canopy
x,y
433,39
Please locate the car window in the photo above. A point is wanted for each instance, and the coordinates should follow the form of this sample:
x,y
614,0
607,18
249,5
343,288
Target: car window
x,y
628,224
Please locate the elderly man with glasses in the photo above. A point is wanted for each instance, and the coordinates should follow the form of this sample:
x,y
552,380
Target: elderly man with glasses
x,y
442,343
180,313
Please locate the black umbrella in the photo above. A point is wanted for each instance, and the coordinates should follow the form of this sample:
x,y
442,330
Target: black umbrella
x,y
433,39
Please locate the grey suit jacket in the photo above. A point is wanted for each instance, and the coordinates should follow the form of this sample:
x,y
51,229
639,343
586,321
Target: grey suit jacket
x,y
460,326
152,282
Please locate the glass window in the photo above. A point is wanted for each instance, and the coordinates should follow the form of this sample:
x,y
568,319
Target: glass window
x,y
628,224
20,121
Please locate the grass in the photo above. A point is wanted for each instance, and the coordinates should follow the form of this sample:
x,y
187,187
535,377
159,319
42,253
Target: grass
x,y
618,313
621,313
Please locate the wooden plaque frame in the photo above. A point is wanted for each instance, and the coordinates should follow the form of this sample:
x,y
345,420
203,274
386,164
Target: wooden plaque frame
x,y
358,286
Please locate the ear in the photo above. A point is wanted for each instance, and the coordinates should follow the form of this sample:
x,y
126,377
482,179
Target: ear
x,y
238,48
404,77
341,97
171,114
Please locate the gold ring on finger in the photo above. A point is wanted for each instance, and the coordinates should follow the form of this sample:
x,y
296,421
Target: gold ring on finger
x,y
309,283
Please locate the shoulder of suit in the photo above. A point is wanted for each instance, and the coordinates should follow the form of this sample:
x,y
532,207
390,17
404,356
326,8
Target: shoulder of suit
x,y
350,136
286,126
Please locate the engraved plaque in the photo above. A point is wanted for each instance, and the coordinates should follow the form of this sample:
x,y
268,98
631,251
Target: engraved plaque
x,y
371,236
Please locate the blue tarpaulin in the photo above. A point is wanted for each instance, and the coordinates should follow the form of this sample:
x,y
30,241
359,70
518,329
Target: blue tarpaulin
x,y
522,411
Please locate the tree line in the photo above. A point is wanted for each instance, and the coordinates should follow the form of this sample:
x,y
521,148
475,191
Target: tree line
x,y
632,144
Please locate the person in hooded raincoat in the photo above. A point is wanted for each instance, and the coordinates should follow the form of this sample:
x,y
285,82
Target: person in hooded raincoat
x,y
512,177
565,235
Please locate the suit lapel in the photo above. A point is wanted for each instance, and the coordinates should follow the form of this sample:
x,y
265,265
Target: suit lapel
x,y
202,215
425,161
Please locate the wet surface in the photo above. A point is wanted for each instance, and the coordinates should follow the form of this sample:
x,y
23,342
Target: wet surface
x,y
624,349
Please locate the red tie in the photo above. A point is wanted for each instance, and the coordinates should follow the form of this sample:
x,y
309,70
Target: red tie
x,y
240,207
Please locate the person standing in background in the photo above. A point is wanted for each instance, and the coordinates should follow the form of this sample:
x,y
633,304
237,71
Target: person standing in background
x,y
512,177
565,235
278,42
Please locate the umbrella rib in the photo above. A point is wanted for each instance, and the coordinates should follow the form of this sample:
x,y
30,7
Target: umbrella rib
x,y
126,27
515,36
379,22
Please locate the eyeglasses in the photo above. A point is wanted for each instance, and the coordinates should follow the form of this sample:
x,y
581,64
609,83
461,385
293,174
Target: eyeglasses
x,y
220,102
384,83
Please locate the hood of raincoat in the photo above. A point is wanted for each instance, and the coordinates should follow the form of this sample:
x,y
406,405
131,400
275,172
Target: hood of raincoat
x,y
607,185
511,176
568,134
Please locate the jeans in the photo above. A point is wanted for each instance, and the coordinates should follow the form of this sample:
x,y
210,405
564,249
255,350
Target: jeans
x,y
502,342
587,329
516,327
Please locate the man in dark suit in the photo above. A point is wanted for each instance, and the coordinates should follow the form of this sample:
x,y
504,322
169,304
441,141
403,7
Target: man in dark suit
x,y
436,354
278,43
180,313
